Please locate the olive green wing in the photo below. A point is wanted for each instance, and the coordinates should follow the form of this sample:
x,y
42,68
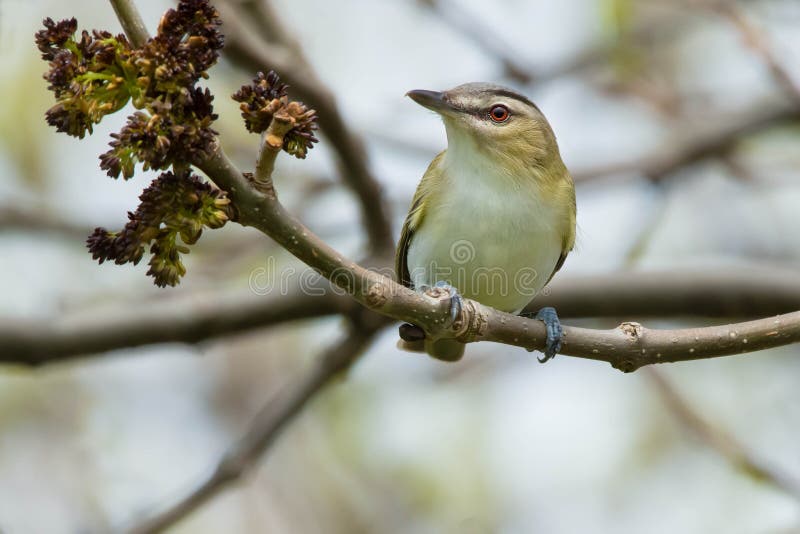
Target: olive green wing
x,y
414,218
567,192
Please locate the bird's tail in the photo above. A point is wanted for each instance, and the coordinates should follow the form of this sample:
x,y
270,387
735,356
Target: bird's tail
x,y
448,350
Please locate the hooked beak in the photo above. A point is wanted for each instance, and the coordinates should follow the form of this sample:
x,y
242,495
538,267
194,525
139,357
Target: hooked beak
x,y
433,100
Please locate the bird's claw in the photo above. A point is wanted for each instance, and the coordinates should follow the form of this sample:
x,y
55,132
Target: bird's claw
x,y
456,302
413,333
552,325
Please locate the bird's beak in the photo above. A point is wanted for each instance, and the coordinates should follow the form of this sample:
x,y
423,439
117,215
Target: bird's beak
x,y
433,100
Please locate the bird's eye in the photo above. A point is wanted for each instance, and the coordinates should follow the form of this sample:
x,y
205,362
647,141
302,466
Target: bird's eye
x,y
499,113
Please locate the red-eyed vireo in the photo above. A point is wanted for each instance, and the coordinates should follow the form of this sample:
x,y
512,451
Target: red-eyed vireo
x,y
494,214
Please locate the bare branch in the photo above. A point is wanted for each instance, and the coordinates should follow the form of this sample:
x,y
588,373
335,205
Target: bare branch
x,y
245,47
719,440
184,321
490,42
40,219
754,38
265,428
741,292
686,150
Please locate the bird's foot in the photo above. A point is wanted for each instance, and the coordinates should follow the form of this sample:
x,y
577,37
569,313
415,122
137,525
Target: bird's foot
x,y
455,300
413,333
549,317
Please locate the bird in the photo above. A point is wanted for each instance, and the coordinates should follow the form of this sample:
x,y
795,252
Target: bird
x,y
494,216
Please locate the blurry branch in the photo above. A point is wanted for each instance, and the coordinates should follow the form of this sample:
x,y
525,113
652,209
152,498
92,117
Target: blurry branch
x,y
184,321
460,20
756,40
472,28
739,293
246,48
687,414
689,149
720,440
744,292
266,426
39,219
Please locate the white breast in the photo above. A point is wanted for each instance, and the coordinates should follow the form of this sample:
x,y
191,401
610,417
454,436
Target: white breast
x,y
493,240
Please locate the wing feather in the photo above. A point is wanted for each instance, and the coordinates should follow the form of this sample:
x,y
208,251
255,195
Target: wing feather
x,y
414,218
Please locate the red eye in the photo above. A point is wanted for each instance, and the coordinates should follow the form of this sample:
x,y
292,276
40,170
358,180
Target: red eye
x,y
498,113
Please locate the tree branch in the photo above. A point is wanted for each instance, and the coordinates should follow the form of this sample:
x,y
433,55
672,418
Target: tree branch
x,y
40,219
246,47
719,440
741,293
686,150
185,321
131,20
754,38
461,21
266,426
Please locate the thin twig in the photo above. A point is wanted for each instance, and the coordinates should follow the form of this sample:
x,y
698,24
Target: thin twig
x,y
131,21
246,47
757,41
727,445
686,150
458,18
265,428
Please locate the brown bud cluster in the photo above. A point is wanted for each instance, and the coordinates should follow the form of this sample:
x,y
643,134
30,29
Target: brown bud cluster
x,y
98,74
87,74
174,205
266,97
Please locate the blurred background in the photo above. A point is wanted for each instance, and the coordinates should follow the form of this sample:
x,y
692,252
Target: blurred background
x,y
680,122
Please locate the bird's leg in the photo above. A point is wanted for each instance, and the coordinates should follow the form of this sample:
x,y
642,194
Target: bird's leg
x,y
549,317
411,333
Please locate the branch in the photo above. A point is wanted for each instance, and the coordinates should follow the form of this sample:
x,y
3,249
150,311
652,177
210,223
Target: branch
x,y
755,39
245,47
265,428
740,293
131,20
40,219
721,441
686,150
191,320
468,26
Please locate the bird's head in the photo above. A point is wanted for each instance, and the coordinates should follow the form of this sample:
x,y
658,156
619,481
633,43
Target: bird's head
x,y
493,120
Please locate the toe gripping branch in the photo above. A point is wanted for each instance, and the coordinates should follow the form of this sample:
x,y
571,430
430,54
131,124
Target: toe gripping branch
x,y
442,290
552,324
